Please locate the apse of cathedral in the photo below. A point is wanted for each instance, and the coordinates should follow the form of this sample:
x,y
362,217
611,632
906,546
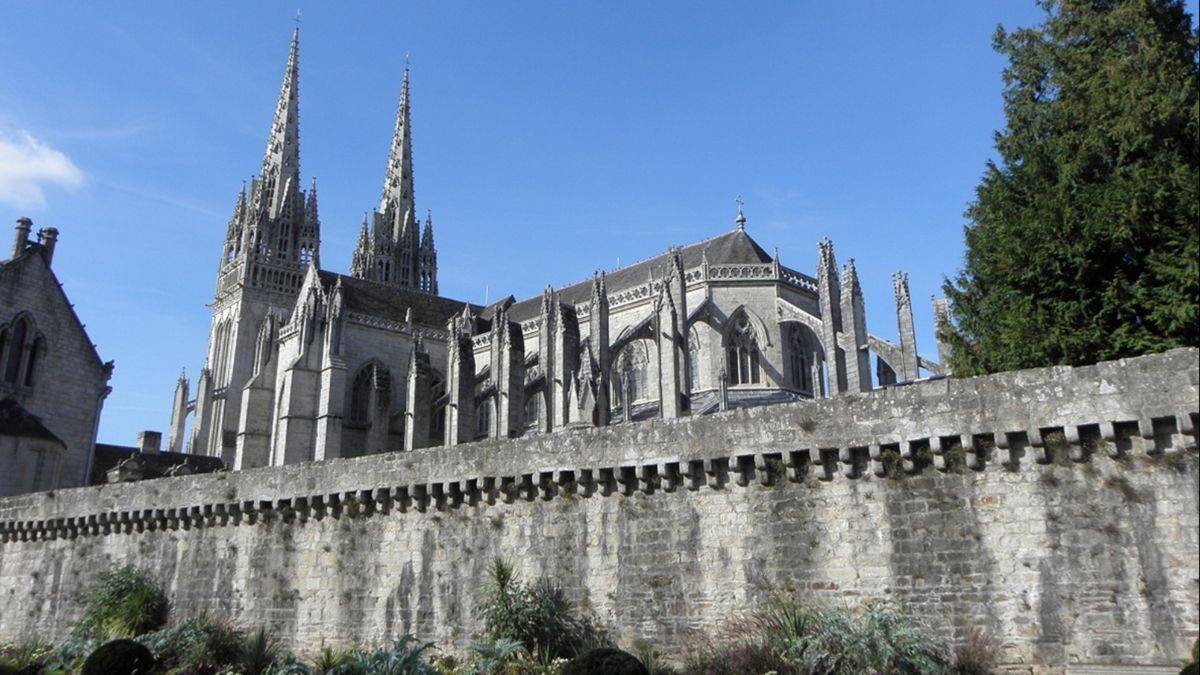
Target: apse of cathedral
x,y
308,364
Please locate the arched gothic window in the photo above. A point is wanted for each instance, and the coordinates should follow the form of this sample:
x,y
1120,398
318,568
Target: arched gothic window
x,y
369,386
531,409
16,350
801,368
4,346
634,364
741,352
483,418
35,354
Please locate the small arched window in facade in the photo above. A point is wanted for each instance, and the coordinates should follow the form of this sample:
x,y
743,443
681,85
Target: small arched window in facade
x,y
741,352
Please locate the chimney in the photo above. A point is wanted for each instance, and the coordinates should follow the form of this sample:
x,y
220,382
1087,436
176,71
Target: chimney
x,y
149,441
21,236
47,237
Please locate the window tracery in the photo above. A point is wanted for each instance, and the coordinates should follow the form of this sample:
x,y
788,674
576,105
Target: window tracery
x,y
741,351
22,349
801,368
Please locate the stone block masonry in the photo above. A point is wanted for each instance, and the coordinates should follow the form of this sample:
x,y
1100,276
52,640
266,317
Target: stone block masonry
x,y
1055,509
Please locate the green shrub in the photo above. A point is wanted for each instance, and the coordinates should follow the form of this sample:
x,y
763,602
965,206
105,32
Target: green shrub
x,y
605,661
257,653
491,657
288,664
331,661
879,638
538,616
123,603
790,636
403,657
197,646
119,657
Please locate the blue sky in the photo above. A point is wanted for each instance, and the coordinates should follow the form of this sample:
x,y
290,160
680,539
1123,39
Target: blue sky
x,y
550,139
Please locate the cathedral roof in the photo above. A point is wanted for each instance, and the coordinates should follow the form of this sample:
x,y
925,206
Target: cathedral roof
x,y
154,464
392,302
731,248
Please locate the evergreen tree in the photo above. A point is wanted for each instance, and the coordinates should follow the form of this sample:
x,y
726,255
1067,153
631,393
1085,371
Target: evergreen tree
x,y
1082,242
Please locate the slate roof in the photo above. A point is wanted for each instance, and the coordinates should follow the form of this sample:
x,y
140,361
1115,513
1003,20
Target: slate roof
x,y
156,464
15,420
730,248
390,302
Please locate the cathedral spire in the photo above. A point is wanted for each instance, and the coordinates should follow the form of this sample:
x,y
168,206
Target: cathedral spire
x,y
398,179
281,160
360,261
310,232
427,233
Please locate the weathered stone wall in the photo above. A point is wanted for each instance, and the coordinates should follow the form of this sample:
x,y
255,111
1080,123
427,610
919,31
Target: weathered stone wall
x,y
1060,514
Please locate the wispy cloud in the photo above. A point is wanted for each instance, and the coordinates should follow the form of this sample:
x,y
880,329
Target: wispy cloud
x,y
28,166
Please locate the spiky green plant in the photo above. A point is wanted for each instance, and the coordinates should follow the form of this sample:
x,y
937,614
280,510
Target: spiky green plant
x,y
491,657
403,657
123,602
257,652
332,661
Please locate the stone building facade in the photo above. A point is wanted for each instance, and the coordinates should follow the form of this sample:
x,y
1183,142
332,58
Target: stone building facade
x,y
307,364
52,381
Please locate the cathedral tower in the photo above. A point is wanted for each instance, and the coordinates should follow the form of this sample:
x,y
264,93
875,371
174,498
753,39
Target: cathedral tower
x,y
391,248
272,237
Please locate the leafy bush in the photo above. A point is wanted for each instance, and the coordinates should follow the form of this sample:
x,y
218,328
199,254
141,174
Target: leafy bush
x,y
491,657
123,603
288,664
197,646
403,657
605,661
538,616
119,657
881,638
788,636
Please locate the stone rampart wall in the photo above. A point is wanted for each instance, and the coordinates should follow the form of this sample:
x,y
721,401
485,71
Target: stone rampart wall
x,y
1054,508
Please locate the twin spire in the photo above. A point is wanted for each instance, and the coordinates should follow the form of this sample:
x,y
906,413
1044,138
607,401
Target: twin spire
x,y
391,248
